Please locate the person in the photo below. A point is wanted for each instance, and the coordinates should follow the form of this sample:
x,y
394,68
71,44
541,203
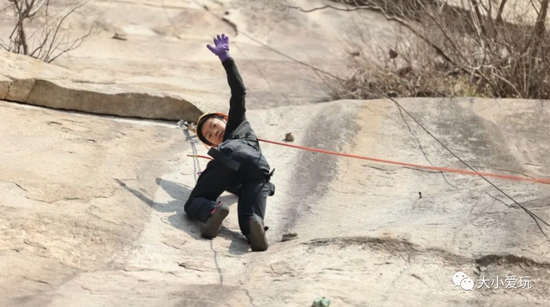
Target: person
x,y
238,165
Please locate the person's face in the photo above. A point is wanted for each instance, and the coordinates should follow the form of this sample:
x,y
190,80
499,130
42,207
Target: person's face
x,y
213,130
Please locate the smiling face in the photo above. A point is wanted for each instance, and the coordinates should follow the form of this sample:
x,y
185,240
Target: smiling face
x,y
213,130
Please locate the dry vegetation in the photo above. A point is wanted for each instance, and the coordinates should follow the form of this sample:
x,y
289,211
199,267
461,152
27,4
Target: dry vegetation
x,y
41,31
496,48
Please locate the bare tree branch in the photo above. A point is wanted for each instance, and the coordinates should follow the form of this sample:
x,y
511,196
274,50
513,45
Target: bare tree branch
x,y
49,41
476,42
500,11
76,43
328,6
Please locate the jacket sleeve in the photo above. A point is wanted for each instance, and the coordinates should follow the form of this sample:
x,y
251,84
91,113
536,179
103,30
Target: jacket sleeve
x,y
215,179
237,103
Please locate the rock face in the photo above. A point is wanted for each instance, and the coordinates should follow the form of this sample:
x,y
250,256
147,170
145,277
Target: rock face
x,y
163,69
92,209
30,81
92,206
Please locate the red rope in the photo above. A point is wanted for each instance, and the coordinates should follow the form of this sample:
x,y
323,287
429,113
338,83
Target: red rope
x,y
199,156
418,166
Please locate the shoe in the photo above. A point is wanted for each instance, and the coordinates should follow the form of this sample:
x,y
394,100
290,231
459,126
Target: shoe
x,y
214,223
257,237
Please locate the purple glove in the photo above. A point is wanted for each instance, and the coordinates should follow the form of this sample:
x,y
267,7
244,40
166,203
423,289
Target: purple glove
x,y
222,47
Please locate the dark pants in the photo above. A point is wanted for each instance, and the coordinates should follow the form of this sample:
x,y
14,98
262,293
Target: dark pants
x,y
252,200
252,196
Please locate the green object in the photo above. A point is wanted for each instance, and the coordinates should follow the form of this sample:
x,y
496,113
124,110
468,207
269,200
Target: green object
x,y
321,302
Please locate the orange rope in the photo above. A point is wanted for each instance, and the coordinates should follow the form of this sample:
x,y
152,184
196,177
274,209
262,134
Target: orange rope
x,y
436,168
199,156
418,166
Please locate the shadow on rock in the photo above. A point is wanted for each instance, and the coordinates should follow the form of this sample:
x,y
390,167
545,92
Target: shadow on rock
x,y
239,244
171,206
180,220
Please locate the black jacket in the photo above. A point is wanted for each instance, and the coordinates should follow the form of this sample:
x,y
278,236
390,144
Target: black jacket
x,y
240,144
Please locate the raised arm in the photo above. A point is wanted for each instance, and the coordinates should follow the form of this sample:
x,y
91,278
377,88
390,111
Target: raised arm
x,y
237,105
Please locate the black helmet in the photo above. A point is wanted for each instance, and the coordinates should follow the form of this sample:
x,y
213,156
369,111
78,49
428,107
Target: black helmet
x,y
202,120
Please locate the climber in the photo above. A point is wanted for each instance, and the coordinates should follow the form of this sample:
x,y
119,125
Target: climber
x,y
238,165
